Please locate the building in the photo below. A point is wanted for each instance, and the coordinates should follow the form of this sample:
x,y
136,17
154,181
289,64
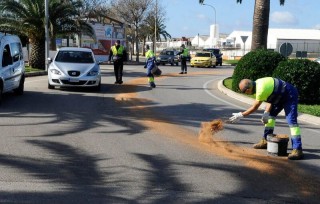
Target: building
x,y
296,42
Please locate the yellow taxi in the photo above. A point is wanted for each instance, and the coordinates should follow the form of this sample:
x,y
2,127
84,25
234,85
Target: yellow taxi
x,y
203,59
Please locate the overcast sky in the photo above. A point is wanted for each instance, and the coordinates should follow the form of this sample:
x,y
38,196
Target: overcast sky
x,y
188,18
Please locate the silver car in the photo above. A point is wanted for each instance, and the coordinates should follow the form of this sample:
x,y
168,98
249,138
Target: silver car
x,y
74,67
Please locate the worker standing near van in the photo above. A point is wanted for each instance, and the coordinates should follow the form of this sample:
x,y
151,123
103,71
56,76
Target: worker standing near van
x,y
279,95
184,53
118,55
150,63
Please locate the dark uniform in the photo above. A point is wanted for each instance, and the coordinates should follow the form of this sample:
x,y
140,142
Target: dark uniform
x,y
118,55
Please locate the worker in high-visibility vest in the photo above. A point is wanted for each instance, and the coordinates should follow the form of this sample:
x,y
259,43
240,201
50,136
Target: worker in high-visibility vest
x,y
118,55
150,63
278,95
184,53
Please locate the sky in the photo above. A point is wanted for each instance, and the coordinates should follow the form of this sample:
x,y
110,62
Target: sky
x,y
187,18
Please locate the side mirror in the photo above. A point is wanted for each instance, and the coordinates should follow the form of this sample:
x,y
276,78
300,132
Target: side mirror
x,y
49,60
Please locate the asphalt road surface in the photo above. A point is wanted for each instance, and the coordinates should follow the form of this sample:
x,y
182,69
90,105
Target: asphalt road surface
x,y
133,144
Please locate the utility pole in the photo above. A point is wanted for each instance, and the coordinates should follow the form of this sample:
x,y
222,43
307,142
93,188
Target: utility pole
x,y
155,28
46,33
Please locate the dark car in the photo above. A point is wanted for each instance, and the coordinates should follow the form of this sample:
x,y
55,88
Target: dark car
x,y
168,57
217,53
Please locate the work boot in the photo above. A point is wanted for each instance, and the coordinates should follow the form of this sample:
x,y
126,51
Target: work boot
x,y
296,154
261,145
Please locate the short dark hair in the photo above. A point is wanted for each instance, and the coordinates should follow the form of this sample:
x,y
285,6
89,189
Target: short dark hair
x,y
118,41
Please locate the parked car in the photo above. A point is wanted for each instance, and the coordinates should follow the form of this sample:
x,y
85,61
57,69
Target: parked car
x,y
217,53
12,67
168,57
74,67
203,59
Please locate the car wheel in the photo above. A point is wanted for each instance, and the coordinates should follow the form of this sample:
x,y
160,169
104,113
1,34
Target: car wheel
x,y
172,64
177,64
50,86
20,89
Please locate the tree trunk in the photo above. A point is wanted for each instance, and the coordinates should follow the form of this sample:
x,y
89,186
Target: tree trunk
x,y
137,43
37,55
260,24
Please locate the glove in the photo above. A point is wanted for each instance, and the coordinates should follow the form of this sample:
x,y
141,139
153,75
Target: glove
x,y
236,117
265,117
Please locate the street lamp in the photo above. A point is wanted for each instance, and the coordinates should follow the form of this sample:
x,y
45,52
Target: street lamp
x,y
155,28
215,19
46,33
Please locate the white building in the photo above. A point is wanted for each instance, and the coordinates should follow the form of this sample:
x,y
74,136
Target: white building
x,y
303,40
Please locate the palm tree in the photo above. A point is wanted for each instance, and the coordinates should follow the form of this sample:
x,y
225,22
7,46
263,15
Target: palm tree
x,y
147,29
260,23
26,17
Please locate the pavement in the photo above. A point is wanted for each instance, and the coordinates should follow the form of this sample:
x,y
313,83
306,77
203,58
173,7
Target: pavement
x,y
240,97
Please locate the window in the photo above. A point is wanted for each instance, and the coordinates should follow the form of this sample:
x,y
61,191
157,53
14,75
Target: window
x,y
6,57
16,51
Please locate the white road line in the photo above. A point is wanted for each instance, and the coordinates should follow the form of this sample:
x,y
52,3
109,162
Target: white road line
x,y
205,87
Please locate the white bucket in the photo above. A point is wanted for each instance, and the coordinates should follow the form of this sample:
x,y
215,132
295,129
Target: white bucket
x,y
277,144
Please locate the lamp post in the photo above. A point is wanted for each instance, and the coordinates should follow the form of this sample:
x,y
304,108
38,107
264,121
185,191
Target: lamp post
x,y
155,28
46,33
215,19
215,22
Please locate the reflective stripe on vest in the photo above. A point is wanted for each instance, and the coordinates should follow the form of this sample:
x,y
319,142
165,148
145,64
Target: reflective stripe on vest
x,y
278,91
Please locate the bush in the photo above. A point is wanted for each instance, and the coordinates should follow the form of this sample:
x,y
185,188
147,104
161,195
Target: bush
x,y
303,74
256,64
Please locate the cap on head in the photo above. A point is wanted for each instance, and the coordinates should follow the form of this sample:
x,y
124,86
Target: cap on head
x,y
118,42
244,85
147,47
182,45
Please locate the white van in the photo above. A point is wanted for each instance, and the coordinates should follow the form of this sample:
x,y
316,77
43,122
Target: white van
x,y
12,67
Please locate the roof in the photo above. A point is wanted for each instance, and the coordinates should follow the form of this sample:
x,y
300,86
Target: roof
x,y
75,49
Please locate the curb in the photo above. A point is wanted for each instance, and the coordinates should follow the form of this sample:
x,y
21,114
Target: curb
x,y
301,116
31,74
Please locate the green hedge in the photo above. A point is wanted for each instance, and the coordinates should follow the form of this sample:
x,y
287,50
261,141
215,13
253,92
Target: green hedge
x,y
255,64
303,74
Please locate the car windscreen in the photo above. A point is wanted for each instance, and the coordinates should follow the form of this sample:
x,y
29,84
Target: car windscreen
x,y
202,54
74,57
170,53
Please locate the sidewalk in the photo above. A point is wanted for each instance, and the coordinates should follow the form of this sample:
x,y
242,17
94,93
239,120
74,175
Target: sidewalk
x,y
302,117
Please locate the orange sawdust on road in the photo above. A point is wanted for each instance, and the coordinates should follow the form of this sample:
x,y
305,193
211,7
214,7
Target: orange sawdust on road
x,y
267,165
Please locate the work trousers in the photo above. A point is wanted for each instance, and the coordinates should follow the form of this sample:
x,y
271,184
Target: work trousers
x,y
118,70
183,64
288,103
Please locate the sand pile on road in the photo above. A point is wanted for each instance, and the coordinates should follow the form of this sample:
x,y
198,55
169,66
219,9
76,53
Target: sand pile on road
x,y
208,129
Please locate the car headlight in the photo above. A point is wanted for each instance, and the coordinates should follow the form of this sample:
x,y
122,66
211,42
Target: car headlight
x,y
93,72
55,71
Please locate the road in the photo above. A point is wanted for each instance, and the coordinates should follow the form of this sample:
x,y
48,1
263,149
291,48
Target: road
x,y
132,144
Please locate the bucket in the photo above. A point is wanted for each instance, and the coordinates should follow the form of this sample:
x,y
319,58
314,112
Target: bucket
x,y
277,144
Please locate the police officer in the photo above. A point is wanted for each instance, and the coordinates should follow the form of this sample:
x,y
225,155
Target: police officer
x,y
184,54
279,95
150,63
118,55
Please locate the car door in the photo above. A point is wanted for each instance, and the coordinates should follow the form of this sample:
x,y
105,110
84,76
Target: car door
x,y
6,68
17,63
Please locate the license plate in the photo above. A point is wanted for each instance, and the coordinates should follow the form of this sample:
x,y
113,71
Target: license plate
x,y
73,80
